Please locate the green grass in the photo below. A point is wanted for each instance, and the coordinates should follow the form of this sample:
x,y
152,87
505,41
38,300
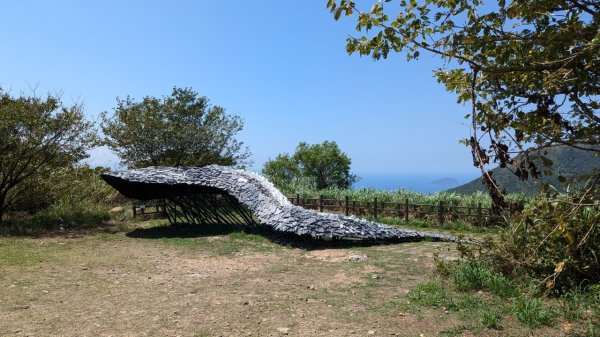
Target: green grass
x,y
460,227
481,298
431,294
401,195
490,318
472,276
64,215
532,313
16,252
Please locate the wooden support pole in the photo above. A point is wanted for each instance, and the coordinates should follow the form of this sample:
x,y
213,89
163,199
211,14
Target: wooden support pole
x,y
406,210
320,203
375,207
441,213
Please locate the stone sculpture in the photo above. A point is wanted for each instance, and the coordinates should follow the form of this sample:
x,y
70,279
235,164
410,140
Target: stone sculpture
x,y
196,194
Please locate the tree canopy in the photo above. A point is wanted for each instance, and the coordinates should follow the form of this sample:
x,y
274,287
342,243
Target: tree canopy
x,y
39,136
317,166
530,69
183,129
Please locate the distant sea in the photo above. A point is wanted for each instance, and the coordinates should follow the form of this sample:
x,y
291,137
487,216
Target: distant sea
x,y
418,182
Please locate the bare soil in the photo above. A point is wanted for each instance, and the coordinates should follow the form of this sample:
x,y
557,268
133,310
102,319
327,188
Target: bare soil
x,y
228,284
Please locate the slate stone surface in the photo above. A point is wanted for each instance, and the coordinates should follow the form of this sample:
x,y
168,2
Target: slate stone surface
x,y
265,201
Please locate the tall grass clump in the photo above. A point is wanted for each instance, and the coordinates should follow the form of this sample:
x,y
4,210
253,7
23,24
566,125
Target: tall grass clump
x,y
400,196
472,275
68,198
531,312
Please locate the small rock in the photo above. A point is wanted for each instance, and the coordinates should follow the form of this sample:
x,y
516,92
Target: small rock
x,y
357,258
245,303
283,331
374,276
371,332
311,287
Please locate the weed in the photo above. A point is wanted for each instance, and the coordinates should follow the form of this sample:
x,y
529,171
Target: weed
x,y
490,319
532,313
472,275
442,266
572,305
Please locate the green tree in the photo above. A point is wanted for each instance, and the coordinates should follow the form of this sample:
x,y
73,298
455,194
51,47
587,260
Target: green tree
x,y
317,166
530,69
179,130
39,136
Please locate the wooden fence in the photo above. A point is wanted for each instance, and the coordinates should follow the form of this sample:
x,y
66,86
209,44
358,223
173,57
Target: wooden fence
x,y
440,213
153,208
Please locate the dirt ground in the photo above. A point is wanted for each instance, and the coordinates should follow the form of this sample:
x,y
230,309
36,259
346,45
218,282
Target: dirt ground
x,y
156,283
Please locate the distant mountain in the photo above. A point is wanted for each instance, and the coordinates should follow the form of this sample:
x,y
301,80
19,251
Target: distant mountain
x,y
445,181
567,162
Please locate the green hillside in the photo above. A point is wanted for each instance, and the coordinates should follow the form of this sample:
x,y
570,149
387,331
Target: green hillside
x,y
567,162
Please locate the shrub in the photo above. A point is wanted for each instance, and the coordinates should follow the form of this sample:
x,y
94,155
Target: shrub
x,y
555,240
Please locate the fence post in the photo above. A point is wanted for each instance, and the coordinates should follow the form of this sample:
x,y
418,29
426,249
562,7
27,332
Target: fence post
x,y
479,214
441,213
346,210
134,210
298,199
406,210
375,207
320,203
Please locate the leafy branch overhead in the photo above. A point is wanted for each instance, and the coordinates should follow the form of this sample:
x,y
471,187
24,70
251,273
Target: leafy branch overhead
x,y
530,68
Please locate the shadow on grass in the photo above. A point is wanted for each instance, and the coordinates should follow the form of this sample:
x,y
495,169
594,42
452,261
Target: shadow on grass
x,y
280,238
183,231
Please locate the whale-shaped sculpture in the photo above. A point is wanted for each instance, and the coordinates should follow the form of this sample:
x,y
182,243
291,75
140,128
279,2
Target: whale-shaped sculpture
x,y
184,185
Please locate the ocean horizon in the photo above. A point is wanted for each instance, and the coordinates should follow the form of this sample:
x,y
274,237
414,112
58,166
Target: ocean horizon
x,y
418,182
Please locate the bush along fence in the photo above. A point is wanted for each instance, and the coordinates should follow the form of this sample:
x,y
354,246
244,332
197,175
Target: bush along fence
x,y
440,213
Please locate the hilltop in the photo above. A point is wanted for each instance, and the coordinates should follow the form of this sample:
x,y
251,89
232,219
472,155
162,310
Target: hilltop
x,y
567,162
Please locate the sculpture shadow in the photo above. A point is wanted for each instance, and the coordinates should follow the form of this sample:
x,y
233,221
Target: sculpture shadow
x,y
185,230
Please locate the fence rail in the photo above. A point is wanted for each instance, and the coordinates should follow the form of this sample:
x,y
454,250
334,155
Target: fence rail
x,y
440,213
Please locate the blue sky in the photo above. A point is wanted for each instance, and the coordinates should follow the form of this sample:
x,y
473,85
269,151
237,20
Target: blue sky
x,y
280,65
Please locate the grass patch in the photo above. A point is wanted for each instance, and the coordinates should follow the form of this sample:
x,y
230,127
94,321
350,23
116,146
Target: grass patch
x,y
431,294
490,318
459,227
471,275
15,252
532,313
